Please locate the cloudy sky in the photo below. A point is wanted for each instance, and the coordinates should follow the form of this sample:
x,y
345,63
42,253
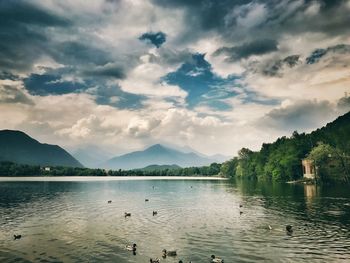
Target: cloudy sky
x,y
212,75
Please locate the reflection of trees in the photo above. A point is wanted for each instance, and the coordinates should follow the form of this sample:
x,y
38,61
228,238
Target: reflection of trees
x,y
305,202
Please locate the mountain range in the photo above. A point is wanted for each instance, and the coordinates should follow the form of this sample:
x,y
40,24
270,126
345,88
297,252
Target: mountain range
x,y
18,147
157,154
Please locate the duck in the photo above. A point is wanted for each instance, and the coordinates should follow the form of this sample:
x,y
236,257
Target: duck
x,y
17,236
154,260
216,260
155,213
109,201
127,214
170,253
146,200
131,247
289,229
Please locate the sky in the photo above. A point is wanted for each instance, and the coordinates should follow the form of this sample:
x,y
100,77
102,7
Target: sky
x,y
211,75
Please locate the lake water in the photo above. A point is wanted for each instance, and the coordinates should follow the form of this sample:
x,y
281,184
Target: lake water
x,y
71,221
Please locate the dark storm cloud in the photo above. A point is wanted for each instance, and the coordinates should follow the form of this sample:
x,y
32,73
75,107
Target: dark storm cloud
x,y
305,115
280,17
317,54
17,11
275,68
22,33
258,47
28,32
108,70
78,53
156,39
301,116
8,75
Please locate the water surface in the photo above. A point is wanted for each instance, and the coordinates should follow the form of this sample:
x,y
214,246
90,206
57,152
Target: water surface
x,y
71,221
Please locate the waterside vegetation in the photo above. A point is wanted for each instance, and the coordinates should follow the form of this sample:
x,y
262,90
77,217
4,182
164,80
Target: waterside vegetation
x,y
328,148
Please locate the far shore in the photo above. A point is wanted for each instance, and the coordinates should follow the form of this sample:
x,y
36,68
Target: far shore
x,y
102,178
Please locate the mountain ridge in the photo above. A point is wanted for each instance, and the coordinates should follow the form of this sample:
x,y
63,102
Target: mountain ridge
x,y
156,154
17,146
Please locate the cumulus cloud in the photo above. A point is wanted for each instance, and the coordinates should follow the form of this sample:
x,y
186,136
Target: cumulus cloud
x,y
304,115
127,74
260,47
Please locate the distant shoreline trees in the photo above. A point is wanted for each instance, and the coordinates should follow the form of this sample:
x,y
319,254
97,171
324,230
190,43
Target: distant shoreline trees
x,y
14,169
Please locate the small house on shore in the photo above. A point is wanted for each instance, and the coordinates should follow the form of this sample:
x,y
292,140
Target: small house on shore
x,y
309,170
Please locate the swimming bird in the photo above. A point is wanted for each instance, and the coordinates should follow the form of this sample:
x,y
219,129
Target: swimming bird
x,y
240,212
146,200
270,227
155,260
17,236
289,229
109,201
240,205
170,253
131,247
127,214
216,260
155,213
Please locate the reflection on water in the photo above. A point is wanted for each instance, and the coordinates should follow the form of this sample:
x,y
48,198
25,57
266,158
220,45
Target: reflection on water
x,y
72,221
310,191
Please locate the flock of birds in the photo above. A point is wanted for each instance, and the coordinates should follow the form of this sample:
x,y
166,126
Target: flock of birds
x,y
165,253
173,253
170,253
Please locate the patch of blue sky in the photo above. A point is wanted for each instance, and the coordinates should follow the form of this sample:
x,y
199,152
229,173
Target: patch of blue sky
x,y
48,84
203,86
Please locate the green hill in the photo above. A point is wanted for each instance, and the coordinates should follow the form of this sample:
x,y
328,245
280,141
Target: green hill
x,y
281,160
18,147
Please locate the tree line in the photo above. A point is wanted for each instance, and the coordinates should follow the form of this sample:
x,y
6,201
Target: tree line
x,y
328,147
15,169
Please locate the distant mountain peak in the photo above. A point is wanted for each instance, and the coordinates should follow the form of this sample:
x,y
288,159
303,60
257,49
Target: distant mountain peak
x,y
155,146
156,154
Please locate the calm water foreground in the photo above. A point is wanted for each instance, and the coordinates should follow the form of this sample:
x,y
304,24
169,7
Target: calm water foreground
x,y
70,221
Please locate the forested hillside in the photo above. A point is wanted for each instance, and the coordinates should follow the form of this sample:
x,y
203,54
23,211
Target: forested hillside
x,y
18,147
281,161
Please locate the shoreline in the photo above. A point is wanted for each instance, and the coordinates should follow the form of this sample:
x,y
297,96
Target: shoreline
x,y
103,178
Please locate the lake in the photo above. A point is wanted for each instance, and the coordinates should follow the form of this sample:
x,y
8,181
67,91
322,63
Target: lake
x,y
69,220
